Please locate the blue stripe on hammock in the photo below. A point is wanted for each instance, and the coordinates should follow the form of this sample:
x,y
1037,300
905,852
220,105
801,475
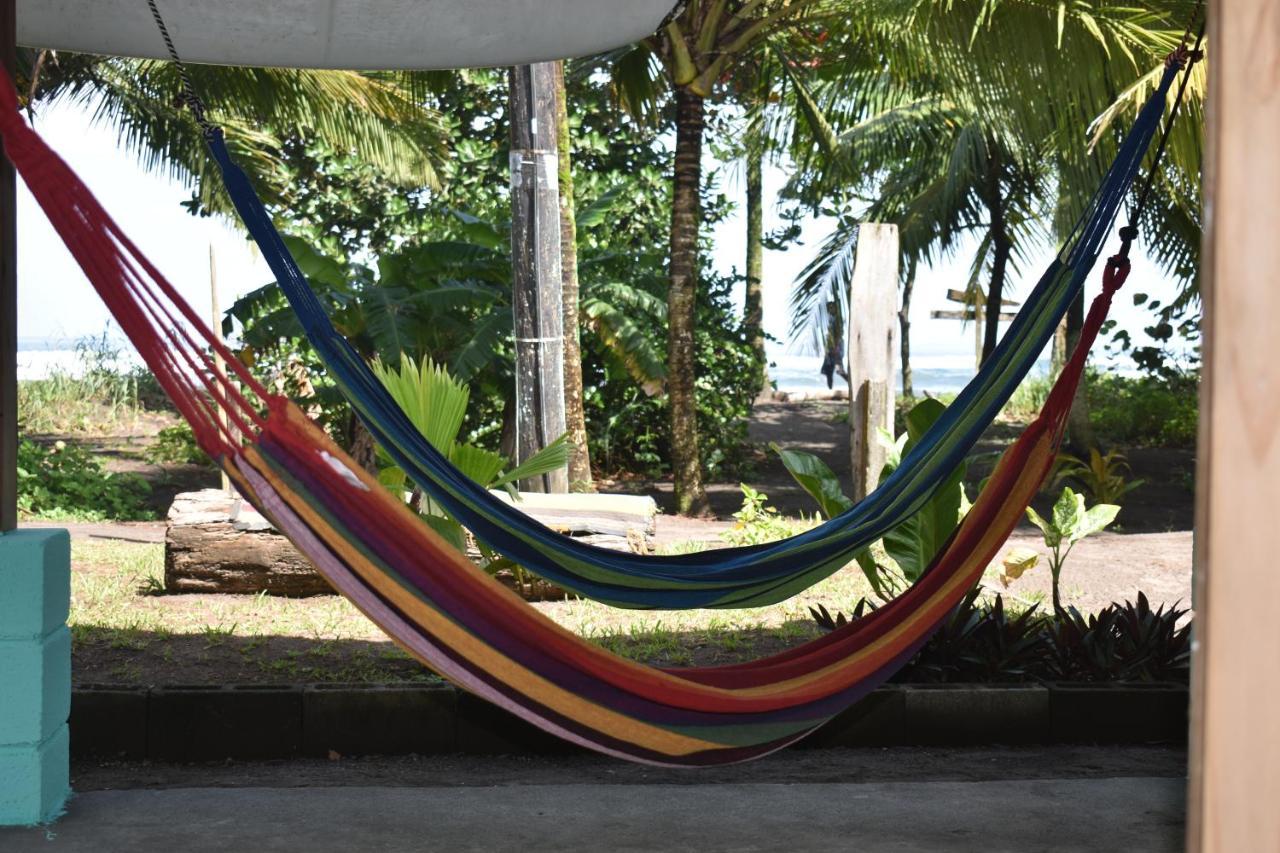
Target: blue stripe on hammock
x,y
729,577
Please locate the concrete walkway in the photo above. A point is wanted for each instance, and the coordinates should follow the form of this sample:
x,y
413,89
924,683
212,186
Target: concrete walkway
x,y
1131,814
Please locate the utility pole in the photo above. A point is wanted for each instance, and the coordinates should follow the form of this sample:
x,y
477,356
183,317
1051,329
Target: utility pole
x,y
535,258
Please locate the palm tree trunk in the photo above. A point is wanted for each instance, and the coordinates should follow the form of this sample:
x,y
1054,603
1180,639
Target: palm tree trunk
x,y
1001,248
574,411
361,445
904,322
1079,429
1058,357
754,302
686,214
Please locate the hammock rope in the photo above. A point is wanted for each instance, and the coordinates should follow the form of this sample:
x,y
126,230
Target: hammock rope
x,y
452,616
738,577
462,623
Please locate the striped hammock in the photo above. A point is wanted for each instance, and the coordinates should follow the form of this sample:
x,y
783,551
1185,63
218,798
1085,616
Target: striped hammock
x,y
739,577
453,617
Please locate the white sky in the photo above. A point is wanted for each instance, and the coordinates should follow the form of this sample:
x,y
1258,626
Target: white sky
x,y
55,301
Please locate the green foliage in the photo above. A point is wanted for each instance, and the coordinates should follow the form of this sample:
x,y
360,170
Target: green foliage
x,y
103,394
757,522
816,478
1103,476
1029,398
913,544
176,444
436,403
1124,642
630,429
983,641
379,117
1069,523
910,547
427,274
925,119
980,641
64,481
1147,410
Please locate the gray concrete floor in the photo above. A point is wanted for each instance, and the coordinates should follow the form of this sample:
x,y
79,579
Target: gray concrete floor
x,y
1134,814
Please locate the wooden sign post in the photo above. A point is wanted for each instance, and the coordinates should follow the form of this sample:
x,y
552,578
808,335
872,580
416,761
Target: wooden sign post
x,y
1235,726
974,311
872,326
535,279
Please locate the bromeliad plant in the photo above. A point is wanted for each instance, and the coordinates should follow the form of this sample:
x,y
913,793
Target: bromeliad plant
x,y
911,546
436,403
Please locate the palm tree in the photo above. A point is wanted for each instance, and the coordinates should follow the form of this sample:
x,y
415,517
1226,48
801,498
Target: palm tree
x,y
379,117
695,50
574,407
996,96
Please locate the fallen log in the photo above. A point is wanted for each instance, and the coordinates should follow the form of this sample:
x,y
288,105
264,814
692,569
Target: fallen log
x,y
216,543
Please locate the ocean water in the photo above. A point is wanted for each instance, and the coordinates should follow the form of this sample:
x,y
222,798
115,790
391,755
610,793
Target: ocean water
x,y
935,373
40,358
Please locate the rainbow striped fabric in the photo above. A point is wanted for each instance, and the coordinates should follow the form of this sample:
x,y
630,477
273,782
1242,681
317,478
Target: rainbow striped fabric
x,y
452,616
739,577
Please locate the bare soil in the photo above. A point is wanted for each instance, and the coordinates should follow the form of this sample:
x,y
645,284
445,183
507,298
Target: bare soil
x,y
1164,502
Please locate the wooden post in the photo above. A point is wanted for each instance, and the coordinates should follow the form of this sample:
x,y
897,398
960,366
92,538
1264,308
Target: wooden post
x,y
215,323
8,304
1235,726
535,258
873,350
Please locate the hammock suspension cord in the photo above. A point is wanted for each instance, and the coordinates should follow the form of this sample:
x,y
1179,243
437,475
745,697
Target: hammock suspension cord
x,y
462,623
736,577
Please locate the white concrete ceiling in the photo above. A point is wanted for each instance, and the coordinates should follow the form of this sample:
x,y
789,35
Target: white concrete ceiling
x,y
362,34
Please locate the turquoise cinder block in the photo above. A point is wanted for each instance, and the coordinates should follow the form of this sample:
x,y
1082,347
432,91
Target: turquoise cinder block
x,y
35,582
35,687
35,780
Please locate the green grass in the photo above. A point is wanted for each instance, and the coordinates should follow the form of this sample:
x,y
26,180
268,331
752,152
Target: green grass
x,y
124,631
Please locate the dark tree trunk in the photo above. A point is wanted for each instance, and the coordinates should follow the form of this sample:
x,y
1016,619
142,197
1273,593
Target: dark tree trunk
x,y
361,446
574,410
1058,357
686,464
754,302
904,322
1079,430
1001,249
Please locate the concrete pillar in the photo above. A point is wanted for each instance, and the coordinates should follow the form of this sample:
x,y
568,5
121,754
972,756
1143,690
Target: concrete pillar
x,y
35,675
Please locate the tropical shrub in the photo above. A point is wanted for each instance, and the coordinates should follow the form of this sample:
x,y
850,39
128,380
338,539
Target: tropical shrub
x,y
756,522
629,428
983,641
1145,410
909,548
176,444
1123,642
1102,476
436,404
65,481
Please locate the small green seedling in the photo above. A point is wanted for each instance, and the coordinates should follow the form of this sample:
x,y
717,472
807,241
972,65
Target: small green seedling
x,y
1070,522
